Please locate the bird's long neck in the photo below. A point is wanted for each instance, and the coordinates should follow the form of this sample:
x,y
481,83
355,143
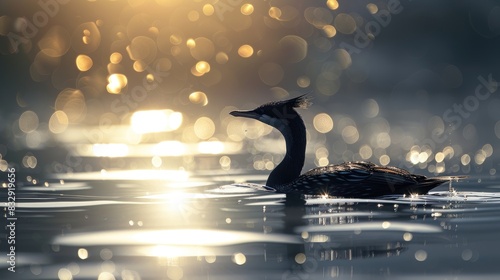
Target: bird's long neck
x,y
293,130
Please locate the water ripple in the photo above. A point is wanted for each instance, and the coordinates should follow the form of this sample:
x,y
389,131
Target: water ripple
x,y
372,226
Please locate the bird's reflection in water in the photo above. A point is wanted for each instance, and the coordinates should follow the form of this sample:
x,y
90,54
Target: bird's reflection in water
x,y
330,234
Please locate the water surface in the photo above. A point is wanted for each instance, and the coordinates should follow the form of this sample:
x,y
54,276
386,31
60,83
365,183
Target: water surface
x,y
110,226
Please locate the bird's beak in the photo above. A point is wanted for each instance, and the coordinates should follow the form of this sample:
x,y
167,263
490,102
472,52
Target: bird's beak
x,y
245,114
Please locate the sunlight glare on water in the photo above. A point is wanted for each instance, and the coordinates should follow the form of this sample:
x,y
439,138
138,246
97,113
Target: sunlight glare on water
x,y
155,121
178,237
171,175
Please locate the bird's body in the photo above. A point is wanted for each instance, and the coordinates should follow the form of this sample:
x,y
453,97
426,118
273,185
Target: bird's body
x,y
360,179
350,179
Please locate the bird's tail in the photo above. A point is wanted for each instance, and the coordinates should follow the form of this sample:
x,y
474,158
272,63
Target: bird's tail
x,y
450,178
430,183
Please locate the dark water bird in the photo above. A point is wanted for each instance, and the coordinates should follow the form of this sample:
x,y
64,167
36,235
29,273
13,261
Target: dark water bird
x,y
349,179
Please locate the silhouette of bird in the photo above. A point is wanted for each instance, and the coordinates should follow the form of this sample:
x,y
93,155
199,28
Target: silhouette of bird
x,y
358,179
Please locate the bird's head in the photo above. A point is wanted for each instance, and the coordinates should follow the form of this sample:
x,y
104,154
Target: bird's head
x,y
277,113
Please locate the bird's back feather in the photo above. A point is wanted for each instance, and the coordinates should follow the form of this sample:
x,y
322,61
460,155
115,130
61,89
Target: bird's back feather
x,y
361,179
